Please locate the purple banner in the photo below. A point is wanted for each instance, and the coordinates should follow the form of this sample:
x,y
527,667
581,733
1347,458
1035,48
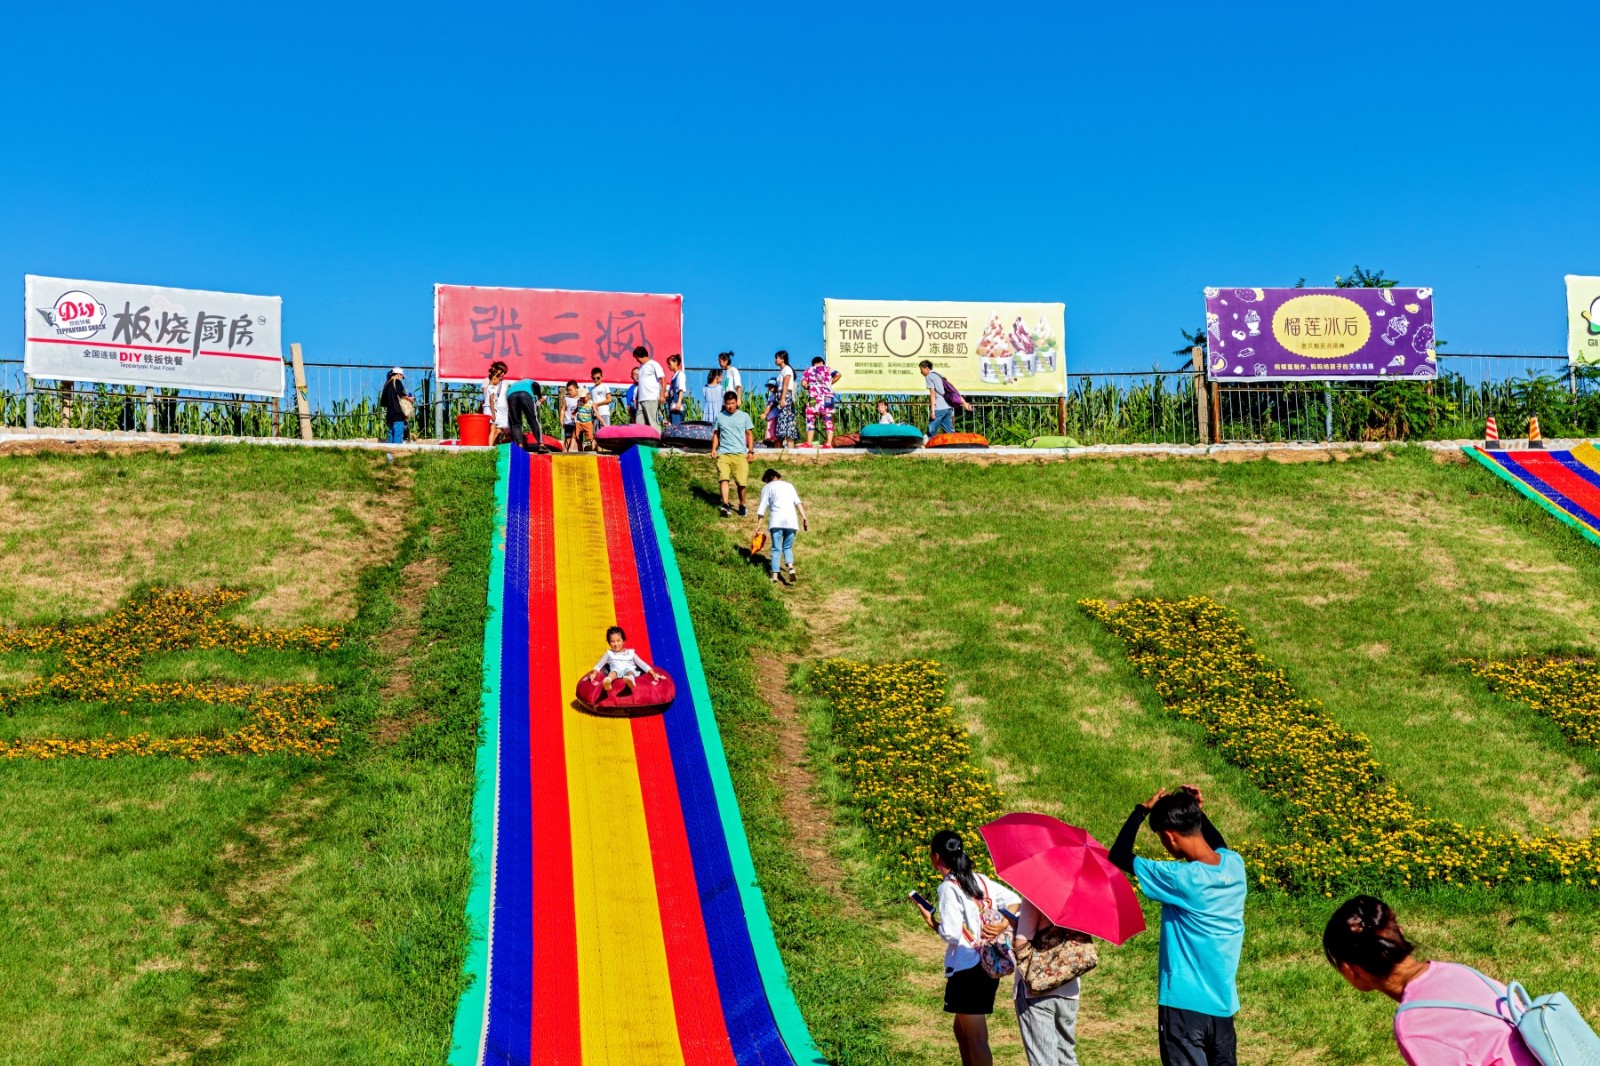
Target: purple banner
x,y
1311,334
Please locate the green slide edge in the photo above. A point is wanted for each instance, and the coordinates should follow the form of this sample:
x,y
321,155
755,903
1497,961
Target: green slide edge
x,y
466,1046
780,997
1521,486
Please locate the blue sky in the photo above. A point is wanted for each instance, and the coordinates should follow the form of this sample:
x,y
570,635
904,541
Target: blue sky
x,y
757,158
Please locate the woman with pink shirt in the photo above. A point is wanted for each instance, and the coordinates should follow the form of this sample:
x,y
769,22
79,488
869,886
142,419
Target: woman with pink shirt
x,y
1364,943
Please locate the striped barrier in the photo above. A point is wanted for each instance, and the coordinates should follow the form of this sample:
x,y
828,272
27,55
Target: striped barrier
x,y
1564,483
615,907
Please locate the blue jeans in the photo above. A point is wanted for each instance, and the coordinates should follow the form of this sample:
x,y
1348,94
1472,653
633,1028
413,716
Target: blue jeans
x,y
782,547
397,432
675,417
942,422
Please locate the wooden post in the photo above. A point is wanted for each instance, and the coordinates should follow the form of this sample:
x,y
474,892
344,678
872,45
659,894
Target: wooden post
x,y
301,402
1202,405
276,411
1061,417
1216,413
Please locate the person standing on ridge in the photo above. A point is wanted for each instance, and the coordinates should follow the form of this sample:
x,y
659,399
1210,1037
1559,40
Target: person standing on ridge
x,y
648,396
394,415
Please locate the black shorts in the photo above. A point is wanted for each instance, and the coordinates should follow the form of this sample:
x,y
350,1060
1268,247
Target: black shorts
x,y
970,991
1190,1038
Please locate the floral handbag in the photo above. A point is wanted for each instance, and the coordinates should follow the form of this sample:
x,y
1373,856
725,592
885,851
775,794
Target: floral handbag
x,y
1053,957
995,956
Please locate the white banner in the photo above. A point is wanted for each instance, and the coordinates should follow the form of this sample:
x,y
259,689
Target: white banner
x,y
152,336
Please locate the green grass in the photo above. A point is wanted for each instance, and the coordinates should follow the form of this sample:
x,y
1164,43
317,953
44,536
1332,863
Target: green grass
x,y
258,910
1365,579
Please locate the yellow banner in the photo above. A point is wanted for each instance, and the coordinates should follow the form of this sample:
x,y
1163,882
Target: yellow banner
x,y
1007,349
1583,319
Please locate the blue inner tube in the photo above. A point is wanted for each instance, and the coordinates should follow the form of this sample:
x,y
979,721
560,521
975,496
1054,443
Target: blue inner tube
x,y
692,436
896,437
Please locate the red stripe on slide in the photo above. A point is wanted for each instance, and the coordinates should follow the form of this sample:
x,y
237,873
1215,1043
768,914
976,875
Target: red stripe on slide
x,y
1552,472
555,973
695,1001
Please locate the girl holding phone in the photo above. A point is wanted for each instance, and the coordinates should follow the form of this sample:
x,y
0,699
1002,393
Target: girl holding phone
x,y
964,894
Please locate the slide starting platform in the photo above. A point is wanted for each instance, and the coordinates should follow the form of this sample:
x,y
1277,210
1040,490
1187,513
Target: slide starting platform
x,y
1565,483
614,905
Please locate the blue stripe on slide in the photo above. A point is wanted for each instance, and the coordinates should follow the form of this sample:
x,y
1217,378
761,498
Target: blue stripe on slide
x,y
509,1039
1566,503
751,1028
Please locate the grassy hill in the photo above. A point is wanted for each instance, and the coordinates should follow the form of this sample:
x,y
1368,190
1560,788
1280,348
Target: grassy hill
x,y
1366,579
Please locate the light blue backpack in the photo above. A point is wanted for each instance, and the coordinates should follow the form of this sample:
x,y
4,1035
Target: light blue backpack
x,y
1550,1026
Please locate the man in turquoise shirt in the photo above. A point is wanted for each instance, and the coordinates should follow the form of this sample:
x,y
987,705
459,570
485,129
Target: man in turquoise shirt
x,y
1202,925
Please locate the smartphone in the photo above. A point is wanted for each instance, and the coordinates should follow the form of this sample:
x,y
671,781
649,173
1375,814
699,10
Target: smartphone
x,y
920,900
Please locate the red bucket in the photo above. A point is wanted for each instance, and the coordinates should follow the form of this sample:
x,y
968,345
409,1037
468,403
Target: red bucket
x,y
473,430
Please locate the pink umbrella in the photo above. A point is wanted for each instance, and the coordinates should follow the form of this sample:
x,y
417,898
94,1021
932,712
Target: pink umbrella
x,y
1066,873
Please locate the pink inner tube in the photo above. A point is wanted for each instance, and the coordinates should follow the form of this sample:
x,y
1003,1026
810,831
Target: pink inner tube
x,y
642,694
621,438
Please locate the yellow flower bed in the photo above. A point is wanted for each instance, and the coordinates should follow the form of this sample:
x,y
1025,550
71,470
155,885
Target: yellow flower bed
x,y
100,661
907,761
1567,691
1346,825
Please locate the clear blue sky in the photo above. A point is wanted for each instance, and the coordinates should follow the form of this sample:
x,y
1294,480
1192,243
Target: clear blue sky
x,y
758,157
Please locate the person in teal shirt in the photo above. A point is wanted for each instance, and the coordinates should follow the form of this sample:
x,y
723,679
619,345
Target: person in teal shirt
x,y
522,408
1202,925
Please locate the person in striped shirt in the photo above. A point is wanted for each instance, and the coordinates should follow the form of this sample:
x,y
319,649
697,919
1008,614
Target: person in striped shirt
x,y
620,663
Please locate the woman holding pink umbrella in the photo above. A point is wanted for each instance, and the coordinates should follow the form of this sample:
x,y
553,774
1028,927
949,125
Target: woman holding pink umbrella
x,y
1069,888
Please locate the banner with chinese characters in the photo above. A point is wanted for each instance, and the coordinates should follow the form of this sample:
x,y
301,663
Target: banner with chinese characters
x,y
1010,349
147,335
550,335
1583,319
1311,334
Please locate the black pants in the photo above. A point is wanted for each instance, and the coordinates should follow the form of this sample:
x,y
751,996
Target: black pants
x,y
1189,1038
524,409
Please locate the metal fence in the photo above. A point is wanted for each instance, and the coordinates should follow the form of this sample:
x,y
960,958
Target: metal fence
x,y
1156,406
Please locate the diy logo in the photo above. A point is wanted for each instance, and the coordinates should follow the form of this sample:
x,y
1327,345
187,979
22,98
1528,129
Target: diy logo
x,y
76,314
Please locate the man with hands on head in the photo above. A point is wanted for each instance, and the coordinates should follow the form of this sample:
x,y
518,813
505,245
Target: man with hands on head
x,y
1202,925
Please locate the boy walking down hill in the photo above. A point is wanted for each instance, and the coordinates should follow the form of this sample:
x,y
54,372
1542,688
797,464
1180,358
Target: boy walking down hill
x,y
1202,925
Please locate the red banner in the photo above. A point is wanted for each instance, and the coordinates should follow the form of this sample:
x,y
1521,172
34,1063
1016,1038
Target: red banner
x,y
550,335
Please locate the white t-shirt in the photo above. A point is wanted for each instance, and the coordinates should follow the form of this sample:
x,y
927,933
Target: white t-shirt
x,y
1029,922
494,402
680,382
783,502
786,384
732,382
569,409
624,663
600,396
961,920
650,378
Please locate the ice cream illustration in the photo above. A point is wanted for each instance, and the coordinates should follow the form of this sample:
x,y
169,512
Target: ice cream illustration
x,y
1252,322
1022,344
1259,370
1398,360
1422,340
1214,324
1399,326
1590,315
996,358
1045,345
1211,293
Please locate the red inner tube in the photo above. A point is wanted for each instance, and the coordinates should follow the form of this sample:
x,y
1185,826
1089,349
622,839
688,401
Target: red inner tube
x,y
640,694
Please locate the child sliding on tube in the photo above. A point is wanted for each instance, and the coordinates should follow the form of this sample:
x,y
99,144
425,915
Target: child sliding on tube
x,y
621,663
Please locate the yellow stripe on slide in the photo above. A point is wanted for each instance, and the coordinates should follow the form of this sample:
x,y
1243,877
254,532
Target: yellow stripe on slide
x,y
624,993
1588,455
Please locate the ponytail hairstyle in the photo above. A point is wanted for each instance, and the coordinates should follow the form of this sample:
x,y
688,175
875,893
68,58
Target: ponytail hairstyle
x,y
781,354
947,845
1363,932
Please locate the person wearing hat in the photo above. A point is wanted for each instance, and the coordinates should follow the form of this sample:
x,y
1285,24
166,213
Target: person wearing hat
x,y
394,400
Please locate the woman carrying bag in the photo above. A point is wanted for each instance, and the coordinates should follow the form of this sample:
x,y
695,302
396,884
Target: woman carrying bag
x,y
1050,960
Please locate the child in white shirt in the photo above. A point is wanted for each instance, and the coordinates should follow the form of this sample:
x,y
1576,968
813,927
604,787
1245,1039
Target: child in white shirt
x,y
621,663
884,417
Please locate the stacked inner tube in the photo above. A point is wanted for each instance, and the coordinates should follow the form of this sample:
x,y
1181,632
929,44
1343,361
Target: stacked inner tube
x,y
619,439
689,436
958,440
895,437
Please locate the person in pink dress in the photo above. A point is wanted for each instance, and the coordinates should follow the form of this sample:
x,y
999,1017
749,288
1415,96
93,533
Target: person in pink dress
x,y
1364,942
818,382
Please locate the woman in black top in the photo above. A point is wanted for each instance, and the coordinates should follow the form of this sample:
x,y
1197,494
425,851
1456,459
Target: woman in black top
x,y
394,390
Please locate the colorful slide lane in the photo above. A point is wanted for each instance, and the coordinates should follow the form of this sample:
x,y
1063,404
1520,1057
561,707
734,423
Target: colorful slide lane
x,y
614,905
1565,483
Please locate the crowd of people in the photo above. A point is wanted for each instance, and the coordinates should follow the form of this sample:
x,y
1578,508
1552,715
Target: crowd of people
x,y
659,396
1448,1015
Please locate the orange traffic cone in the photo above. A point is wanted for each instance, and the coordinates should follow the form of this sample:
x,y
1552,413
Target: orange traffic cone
x,y
1534,439
1491,435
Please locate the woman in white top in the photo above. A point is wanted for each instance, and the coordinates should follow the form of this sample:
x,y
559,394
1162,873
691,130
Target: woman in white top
x,y
788,428
494,400
968,989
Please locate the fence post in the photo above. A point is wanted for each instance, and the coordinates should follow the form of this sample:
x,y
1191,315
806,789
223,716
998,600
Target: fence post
x,y
149,409
438,409
65,388
1202,410
1061,416
301,403
27,402
1572,379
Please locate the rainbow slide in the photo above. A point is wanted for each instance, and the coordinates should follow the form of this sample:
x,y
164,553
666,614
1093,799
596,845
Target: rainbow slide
x,y
614,905
1565,483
